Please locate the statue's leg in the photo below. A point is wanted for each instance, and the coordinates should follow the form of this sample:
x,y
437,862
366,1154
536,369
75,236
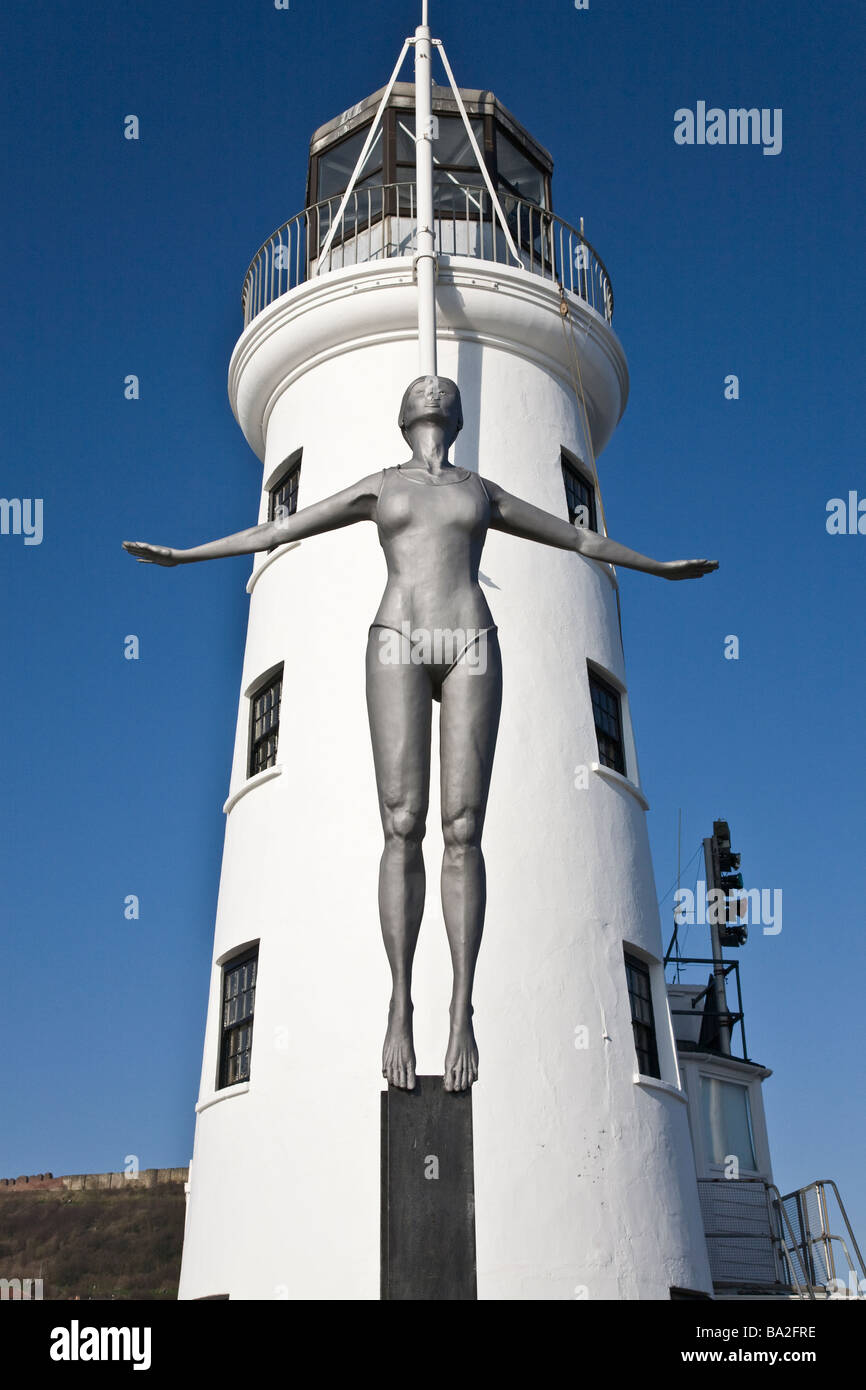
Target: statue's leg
x,y
471,700
399,702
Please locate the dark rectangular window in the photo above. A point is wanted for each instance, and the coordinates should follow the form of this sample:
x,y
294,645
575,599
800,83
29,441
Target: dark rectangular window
x,y
512,167
452,151
580,496
517,173
607,713
454,165
642,1021
283,496
265,724
238,1006
334,167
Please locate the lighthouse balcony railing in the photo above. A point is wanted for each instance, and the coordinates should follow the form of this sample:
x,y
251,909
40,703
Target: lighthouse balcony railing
x,y
381,221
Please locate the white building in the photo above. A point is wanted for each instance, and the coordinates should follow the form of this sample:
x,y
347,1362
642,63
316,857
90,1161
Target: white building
x,y
585,1183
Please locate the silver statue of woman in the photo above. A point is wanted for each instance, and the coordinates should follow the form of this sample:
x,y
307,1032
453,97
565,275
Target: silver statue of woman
x,y
432,518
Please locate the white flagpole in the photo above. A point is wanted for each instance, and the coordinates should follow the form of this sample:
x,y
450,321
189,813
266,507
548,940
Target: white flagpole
x,y
425,258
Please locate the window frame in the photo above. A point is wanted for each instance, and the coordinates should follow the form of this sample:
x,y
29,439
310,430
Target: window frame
x,y
262,685
503,186
390,167
247,955
694,1068
595,677
571,467
638,966
364,130
290,469
479,130
743,1085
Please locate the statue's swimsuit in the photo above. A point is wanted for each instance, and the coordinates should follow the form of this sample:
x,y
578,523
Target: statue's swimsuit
x,y
433,541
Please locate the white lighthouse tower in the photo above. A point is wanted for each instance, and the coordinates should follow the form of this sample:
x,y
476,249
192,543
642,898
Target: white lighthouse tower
x,y
584,1177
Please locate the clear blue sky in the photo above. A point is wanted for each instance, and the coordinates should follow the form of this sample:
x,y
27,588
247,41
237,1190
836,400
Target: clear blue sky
x,y
129,257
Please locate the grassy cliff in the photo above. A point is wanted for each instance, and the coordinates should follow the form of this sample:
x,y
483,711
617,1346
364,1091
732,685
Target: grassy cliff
x,y
118,1244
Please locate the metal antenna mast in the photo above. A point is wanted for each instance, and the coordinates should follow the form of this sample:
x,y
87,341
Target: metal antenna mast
x,y
425,133
425,256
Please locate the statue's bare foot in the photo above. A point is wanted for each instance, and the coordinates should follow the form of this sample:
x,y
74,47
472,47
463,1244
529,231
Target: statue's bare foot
x,y
461,1059
398,1054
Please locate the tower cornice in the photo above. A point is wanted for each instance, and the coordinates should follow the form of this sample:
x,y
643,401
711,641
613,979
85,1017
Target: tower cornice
x,y
478,302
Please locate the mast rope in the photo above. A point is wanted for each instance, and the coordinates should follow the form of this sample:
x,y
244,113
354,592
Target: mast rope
x,y
577,387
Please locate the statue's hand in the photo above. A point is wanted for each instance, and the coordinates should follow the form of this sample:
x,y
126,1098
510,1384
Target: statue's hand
x,y
152,554
688,569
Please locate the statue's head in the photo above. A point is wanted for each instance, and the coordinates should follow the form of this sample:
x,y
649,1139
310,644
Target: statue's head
x,y
433,398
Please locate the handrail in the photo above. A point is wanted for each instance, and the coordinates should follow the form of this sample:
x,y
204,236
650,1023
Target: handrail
x,y
783,1215
804,1247
379,222
828,1182
776,1217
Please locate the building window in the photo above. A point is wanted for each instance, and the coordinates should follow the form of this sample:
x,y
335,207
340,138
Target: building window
x,y
283,496
239,999
335,167
333,170
454,165
642,1021
727,1119
265,724
515,170
580,496
517,173
607,713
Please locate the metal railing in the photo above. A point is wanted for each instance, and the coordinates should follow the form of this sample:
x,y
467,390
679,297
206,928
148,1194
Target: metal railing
x,y
812,1247
697,1007
380,222
757,1239
750,1238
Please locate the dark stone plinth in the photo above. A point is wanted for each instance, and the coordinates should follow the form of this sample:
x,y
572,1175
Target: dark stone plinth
x,y
428,1193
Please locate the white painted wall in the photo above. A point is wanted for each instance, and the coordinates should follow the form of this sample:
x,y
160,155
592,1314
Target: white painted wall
x,y
585,1180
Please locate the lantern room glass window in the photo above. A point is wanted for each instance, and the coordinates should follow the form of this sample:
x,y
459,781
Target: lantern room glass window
x,y
516,172
454,164
451,147
238,1007
265,724
391,160
335,165
334,170
607,713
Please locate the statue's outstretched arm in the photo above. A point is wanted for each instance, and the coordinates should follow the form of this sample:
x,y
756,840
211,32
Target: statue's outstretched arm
x,y
355,503
519,518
